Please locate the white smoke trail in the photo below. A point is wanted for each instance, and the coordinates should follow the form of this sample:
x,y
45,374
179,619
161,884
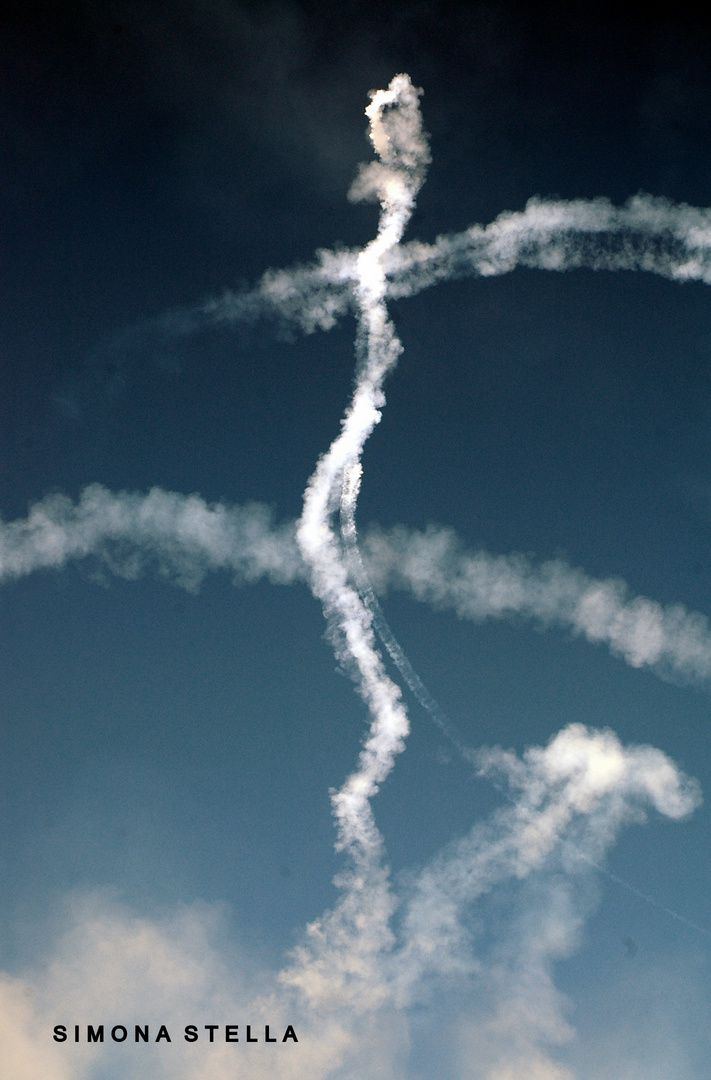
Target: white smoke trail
x,y
501,1007
397,137
435,578
647,233
432,566
345,959
182,538
342,958
569,798
569,801
313,297
349,534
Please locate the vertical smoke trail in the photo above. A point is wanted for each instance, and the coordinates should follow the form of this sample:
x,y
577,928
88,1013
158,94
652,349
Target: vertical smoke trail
x,y
397,137
341,963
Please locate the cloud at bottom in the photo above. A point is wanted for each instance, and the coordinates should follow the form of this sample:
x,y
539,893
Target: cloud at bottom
x,y
459,956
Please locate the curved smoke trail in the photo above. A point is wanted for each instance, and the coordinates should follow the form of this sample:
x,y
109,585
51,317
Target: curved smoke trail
x,y
183,538
568,799
648,233
397,137
349,534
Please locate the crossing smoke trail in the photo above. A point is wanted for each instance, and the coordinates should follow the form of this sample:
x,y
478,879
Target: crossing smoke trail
x,y
351,484
357,966
359,574
397,137
433,567
648,233
345,956
364,913
182,538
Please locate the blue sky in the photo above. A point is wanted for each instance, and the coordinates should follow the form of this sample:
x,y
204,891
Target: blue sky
x,y
175,726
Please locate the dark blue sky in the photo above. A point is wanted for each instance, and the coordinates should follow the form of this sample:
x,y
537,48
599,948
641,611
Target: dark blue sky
x,y
175,748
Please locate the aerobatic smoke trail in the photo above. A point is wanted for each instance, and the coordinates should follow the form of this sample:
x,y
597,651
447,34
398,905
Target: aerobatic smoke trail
x,y
356,966
362,918
344,960
359,573
397,137
648,233
347,944
432,566
182,538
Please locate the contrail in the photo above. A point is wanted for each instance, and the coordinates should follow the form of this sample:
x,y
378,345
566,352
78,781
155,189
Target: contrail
x,y
568,800
645,897
353,939
182,537
342,959
648,233
431,565
349,534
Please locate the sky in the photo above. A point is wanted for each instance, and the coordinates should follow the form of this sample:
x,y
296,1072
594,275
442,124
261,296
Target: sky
x,y
355,507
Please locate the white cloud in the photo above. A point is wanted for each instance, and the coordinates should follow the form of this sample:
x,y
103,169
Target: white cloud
x,y
356,987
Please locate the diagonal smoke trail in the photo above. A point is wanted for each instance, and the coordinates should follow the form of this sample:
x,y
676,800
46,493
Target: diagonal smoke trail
x,y
349,534
568,801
